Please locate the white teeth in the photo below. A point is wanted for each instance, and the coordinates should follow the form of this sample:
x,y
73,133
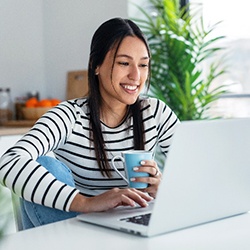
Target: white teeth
x,y
130,87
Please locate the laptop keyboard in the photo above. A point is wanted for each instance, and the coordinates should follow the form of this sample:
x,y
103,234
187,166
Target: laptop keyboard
x,y
139,219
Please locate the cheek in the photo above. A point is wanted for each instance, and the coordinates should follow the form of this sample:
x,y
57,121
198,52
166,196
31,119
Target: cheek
x,y
104,76
117,75
144,76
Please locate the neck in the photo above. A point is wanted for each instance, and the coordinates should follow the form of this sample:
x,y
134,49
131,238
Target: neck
x,y
113,116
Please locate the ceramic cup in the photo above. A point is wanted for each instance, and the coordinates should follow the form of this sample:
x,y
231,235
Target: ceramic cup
x,y
130,160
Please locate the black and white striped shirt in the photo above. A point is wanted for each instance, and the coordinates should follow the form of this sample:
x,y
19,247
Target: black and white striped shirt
x,y
65,131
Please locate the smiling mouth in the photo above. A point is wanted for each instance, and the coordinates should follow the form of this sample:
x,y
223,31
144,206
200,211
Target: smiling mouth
x,y
130,87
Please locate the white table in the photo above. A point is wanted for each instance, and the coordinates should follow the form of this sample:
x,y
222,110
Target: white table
x,y
232,233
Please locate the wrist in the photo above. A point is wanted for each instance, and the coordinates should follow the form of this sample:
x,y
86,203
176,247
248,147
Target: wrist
x,y
79,204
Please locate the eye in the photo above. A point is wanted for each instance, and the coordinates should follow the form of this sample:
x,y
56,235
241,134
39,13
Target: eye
x,y
143,65
123,63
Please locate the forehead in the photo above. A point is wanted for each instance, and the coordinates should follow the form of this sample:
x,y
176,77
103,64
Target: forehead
x,y
133,45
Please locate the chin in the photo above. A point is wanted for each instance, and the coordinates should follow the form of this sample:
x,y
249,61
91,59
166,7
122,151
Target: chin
x,y
131,102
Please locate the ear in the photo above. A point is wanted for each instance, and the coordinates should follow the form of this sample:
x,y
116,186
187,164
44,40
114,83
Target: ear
x,y
97,70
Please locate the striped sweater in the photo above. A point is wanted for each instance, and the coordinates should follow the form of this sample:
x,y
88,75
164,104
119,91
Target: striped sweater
x,y
65,131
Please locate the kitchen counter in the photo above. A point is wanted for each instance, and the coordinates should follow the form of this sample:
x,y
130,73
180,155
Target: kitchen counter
x,y
16,127
13,130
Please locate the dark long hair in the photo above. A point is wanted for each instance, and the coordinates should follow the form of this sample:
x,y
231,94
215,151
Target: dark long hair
x,y
109,36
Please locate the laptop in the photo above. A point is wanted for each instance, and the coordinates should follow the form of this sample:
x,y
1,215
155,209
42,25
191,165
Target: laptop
x,y
206,177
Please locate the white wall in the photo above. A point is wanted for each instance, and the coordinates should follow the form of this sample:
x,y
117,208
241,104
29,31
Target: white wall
x,y
133,10
68,28
41,40
21,46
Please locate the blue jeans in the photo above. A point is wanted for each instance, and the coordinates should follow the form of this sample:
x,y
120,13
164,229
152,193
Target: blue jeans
x,y
33,214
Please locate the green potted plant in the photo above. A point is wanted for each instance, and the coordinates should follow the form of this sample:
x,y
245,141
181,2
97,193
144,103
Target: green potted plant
x,y
179,44
5,212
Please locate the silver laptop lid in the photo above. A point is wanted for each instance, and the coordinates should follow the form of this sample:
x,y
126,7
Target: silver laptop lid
x,y
206,175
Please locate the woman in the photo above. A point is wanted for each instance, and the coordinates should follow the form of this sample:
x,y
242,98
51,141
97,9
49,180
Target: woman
x,y
84,134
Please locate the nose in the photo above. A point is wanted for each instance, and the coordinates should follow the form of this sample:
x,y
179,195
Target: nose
x,y
134,73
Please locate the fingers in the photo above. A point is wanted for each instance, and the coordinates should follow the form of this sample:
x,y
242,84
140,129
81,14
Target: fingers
x,y
150,167
153,179
117,197
132,196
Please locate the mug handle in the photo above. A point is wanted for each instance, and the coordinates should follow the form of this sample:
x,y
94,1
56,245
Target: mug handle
x,y
117,171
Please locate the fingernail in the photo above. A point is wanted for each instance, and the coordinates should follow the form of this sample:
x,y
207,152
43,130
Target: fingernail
x,y
132,179
142,162
135,168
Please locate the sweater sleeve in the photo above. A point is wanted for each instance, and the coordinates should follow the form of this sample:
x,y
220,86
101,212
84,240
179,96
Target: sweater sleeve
x,y
19,170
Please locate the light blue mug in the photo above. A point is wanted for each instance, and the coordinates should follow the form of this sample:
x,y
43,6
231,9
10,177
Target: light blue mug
x,y
130,160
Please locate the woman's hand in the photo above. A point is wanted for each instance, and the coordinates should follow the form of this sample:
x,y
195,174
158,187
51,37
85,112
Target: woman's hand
x,y
154,179
110,199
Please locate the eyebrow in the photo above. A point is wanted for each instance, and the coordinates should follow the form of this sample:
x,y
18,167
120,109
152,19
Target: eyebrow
x,y
130,57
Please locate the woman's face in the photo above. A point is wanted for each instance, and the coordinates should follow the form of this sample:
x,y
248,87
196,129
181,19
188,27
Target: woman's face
x,y
122,84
